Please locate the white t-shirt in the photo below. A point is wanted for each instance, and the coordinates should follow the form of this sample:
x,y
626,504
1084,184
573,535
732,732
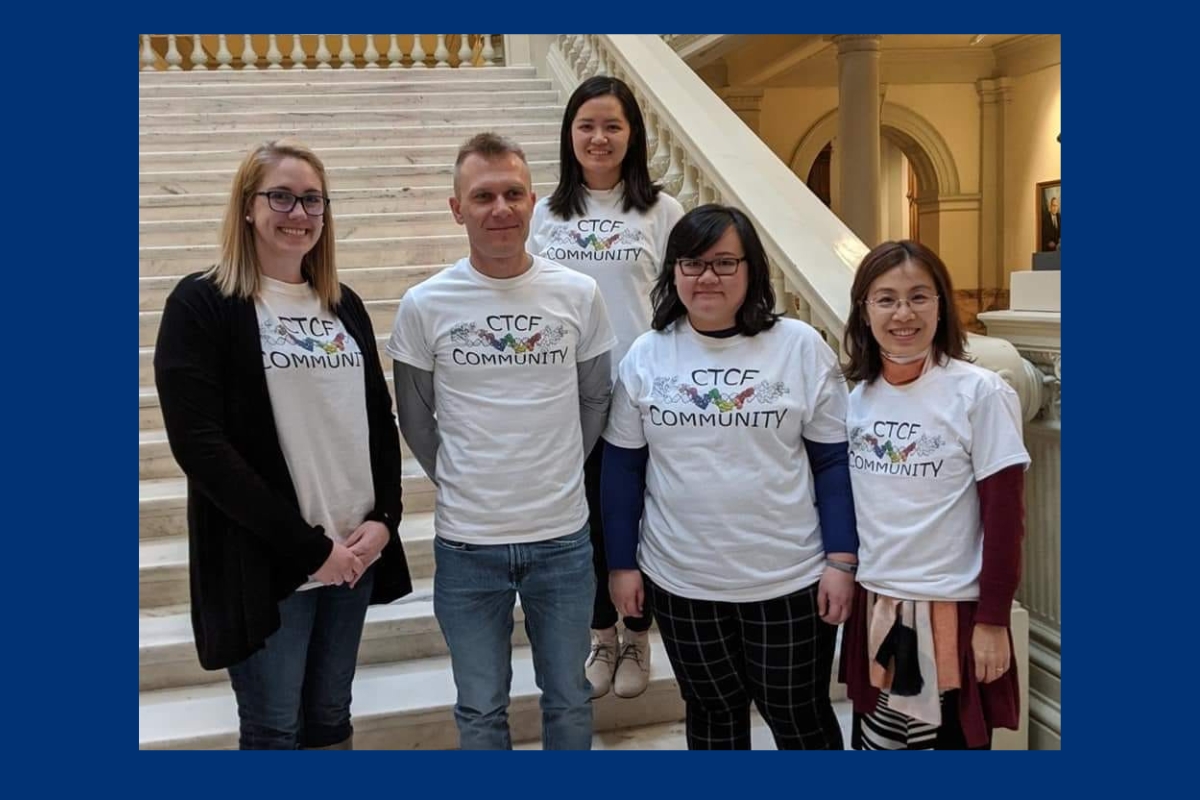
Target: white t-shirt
x,y
314,371
503,355
623,251
729,512
916,453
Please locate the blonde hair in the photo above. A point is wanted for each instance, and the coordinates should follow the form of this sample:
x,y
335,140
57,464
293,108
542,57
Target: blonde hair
x,y
237,272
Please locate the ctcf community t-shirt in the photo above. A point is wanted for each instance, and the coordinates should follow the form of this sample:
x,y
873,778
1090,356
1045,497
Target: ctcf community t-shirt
x,y
916,453
622,250
730,511
314,371
503,353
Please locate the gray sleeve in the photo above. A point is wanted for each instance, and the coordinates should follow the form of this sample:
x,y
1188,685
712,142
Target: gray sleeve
x,y
595,391
415,410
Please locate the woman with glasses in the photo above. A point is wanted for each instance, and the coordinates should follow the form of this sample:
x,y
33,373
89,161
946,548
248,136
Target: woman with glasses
x,y
937,463
726,493
277,411
608,220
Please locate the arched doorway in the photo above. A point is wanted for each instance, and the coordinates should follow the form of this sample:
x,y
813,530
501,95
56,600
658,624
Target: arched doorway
x,y
945,219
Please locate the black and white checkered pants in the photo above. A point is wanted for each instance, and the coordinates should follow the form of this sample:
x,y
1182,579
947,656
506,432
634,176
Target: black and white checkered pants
x,y
776,653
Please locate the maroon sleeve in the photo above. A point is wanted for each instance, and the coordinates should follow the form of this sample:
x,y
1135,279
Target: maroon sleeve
x,y
1002,505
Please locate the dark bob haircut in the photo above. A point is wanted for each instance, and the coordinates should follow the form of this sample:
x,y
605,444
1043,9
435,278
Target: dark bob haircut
x,y
696,232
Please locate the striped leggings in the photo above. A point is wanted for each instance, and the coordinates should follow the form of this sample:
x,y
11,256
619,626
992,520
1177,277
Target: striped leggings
x,y
887,729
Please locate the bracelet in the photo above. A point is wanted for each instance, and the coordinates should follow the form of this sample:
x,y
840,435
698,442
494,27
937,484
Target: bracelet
x,y
841,566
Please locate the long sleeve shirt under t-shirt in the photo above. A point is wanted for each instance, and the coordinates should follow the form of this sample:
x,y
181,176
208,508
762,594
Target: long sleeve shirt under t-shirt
x,y
504,356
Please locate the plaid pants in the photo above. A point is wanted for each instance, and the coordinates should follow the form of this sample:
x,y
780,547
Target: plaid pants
x,y
776,653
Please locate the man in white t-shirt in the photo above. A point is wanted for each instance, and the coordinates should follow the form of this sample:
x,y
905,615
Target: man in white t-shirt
x,y
503,376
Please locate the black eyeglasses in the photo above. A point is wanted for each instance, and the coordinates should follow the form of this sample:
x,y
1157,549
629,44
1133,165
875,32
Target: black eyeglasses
x,y
284,202
694,267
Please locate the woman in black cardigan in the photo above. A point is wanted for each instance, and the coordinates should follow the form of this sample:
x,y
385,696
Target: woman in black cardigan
x,y
277,411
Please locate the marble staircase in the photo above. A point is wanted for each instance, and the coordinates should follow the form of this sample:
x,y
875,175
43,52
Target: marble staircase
x,y
388,139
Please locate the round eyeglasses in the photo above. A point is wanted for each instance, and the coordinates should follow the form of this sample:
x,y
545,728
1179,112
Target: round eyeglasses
x,y
695,267
283,202
918,303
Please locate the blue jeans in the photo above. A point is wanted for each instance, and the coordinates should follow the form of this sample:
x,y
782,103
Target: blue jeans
x,y
295,691
474,590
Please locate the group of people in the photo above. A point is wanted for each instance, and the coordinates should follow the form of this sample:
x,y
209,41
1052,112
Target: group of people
x,y
622,431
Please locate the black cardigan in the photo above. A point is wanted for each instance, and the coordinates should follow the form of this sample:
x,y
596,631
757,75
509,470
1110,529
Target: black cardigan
x,y
248,545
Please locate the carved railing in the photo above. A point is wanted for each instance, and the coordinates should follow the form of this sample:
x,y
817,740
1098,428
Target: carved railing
x,y
702,152
174,52
1037,336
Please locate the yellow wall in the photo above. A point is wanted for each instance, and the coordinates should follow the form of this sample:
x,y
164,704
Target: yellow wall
x,y
952,109
1033,119
787,114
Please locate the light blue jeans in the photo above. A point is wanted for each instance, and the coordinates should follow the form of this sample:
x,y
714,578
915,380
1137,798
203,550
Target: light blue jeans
x,y
474,591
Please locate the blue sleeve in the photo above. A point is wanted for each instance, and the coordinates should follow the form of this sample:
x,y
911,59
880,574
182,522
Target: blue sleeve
x,y
835,503
622,498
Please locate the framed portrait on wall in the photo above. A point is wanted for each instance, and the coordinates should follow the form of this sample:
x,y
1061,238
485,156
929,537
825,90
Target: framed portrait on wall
x,y
1049,216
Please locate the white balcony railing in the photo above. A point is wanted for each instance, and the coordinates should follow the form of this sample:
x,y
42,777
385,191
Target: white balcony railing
x,y
174,52
702,152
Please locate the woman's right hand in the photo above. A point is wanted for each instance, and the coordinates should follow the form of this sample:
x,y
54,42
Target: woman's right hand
x,y
625,588
342,566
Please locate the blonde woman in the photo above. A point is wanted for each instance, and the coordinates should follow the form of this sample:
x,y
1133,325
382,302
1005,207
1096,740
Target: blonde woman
x,y
277,411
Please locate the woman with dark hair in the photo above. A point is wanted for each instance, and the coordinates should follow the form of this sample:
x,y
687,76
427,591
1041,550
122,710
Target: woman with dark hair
x,y
937,463
725,481
277,411
610,221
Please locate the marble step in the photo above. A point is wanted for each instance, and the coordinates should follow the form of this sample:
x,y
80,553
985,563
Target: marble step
x,y
369,82
482,115
220,155
179,232
352,254
378,176
175,233
155,460
382,312
401,631
162,501
146,365
392,200
155,78
371,283
325,97
400,706
163,562
150,412
673,735
345,135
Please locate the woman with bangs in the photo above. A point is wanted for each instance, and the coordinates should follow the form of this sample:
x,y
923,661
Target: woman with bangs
x,y
726,493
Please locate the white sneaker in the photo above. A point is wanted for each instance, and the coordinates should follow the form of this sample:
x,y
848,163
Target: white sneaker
x,y
602,661
633,664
